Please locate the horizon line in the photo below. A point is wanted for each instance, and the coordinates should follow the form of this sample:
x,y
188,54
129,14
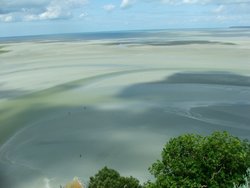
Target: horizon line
x,y
120,31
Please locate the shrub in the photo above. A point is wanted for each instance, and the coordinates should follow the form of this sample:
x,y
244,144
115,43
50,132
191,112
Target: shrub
x,y
109,178
218,160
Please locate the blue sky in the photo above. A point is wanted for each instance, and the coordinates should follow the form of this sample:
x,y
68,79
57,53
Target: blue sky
x,y
32,17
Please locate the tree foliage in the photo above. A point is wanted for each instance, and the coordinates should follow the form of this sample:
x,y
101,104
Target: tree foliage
x,y
218,160
109,178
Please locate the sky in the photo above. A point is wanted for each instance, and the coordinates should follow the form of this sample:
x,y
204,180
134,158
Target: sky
x,y
35,17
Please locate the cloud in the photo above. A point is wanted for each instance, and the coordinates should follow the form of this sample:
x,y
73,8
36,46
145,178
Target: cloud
x,y
219,9
201,2
205,1
31,10
109,7
35,10
230,1
7,6
175,1
127,3
83,15
6,18
51,13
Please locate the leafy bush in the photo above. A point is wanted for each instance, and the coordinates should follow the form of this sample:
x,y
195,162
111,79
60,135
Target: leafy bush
x,y
218,160
109,178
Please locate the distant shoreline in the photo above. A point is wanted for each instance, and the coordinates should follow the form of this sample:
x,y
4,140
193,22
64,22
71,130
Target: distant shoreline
x,y
240,27
94,34
117,35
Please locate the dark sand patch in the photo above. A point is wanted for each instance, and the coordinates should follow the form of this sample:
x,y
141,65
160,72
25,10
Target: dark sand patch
x,y
2,50
169,43
215,78
11,93
208,81
218,98
237,114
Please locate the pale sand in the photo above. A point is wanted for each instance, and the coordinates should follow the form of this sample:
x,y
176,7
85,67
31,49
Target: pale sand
x,y
60,100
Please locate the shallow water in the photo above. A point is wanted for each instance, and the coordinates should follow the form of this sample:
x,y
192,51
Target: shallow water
x,y
120,116
127,134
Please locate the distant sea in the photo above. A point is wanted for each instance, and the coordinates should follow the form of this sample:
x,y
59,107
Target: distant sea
x,y
137,34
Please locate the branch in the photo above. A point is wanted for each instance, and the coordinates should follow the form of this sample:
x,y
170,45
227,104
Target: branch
x,y
215,173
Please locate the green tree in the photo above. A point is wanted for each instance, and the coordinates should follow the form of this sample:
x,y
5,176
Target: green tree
x,y
109,178
218,160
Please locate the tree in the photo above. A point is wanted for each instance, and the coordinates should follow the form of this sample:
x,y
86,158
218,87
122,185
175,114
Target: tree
x,y
109,178
218,160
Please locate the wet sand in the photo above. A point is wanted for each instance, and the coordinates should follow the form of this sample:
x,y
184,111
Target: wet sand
x,y
114,103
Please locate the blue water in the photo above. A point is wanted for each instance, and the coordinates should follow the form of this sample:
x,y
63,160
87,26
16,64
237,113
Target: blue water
x,y
139,34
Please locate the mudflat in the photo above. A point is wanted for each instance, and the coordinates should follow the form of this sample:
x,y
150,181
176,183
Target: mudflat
x,y
68,108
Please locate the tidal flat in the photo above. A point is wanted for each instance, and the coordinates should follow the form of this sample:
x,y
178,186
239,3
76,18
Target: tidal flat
x,y
70,106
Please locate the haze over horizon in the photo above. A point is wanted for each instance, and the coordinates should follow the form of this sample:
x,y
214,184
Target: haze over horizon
x,y
22,17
